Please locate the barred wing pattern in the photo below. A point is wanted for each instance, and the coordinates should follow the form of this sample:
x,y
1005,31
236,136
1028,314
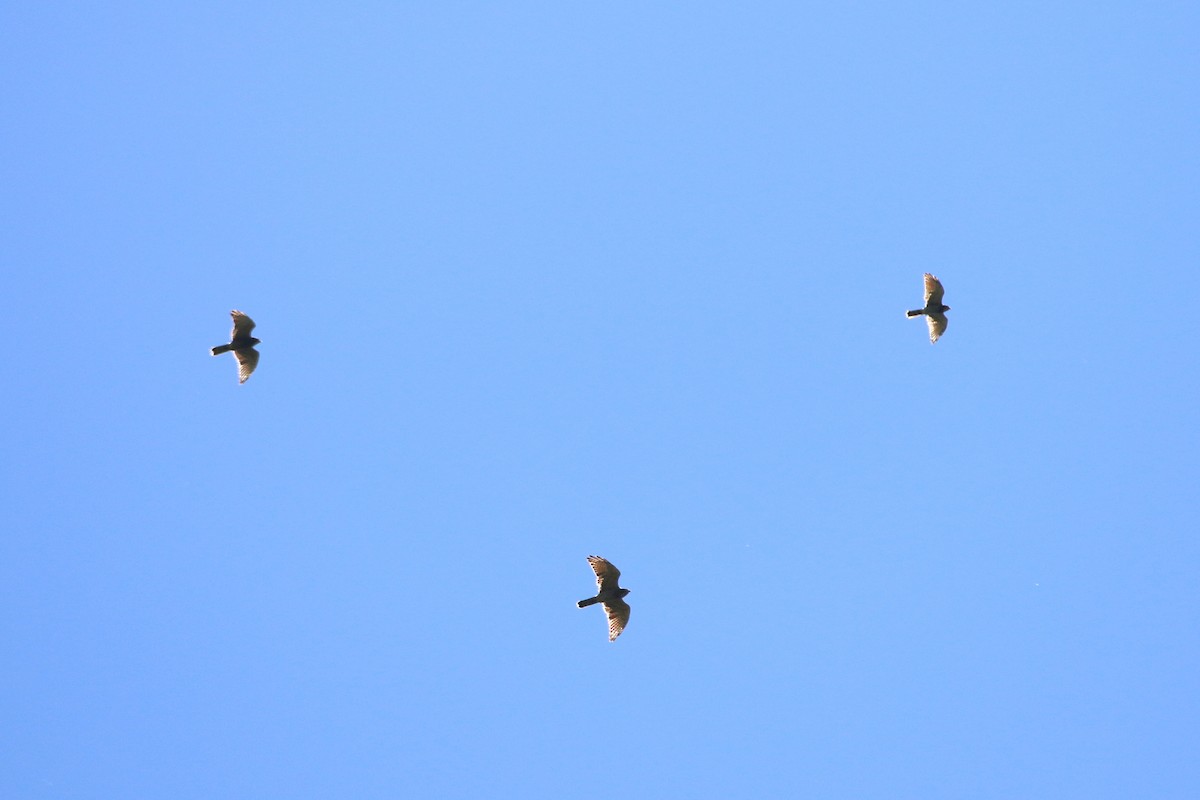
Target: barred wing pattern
x,y
933,291
247,359
618,617
606,574
242,325
937,323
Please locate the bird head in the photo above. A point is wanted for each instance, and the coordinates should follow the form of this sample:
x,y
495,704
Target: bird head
x,y
255,341
945,308
622,592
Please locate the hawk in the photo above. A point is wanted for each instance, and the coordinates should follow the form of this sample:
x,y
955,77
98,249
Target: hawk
x,y
934,311
242,345
610,594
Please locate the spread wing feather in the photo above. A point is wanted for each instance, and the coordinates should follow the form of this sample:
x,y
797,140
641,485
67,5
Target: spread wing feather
x,y
242,325
937,325
618,617
606,573
247,359
933,291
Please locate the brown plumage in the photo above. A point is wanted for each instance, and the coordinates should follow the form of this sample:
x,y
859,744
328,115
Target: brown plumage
x,y
610,594
934,311
241,343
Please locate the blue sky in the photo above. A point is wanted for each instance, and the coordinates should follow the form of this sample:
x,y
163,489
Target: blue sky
x,y
541,280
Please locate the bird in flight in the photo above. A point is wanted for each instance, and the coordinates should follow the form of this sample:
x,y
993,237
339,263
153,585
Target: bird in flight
x,y
241,343
934,311
610,594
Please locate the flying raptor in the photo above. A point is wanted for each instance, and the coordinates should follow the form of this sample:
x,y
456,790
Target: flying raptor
x,y
610,594
241,343
934,311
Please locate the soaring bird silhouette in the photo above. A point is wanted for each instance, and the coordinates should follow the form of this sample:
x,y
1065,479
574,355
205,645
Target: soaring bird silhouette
x,y
242,345
610,594
934,311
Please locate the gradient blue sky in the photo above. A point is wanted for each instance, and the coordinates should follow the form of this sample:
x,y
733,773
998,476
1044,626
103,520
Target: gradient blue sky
x,y
541,280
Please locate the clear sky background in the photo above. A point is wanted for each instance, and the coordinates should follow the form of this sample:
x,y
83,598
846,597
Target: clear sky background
x,y
541,280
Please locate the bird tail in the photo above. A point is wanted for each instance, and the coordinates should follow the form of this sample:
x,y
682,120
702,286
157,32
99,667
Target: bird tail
x,y
225,348
918,312
590,601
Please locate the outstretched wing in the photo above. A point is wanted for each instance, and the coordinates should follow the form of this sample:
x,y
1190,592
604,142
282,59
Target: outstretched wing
x,y
606,573
618,617
933,291
242,325
937,325
247,359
